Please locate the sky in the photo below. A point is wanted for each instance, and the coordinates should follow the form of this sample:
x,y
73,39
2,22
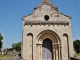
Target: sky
x,y
11,12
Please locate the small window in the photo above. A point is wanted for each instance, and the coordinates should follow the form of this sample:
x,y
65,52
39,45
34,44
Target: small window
x,y
46,17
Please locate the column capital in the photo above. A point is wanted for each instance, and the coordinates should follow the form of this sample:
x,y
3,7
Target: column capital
x,y
38,43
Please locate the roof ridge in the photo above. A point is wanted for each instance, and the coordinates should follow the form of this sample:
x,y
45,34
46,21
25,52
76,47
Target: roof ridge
x,y
46,2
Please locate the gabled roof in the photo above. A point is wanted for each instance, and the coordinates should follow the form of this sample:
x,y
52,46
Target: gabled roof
x,y
46,2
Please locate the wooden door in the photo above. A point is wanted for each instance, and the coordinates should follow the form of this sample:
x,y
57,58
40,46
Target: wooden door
x,y
47,50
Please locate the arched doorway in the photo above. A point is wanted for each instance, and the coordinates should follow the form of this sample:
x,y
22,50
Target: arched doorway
x,y
48,46
47,49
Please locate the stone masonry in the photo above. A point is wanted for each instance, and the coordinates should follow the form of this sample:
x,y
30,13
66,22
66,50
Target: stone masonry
x,y
47,22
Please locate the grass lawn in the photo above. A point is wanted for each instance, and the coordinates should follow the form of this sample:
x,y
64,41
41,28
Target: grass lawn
x,y
77,55
6,56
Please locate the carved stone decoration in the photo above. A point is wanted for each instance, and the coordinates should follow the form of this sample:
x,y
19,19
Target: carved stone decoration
x,y
35,22
47,34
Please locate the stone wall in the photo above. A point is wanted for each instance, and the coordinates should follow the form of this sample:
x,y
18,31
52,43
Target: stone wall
x,y
36,23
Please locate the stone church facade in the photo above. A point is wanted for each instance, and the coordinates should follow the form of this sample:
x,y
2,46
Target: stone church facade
x,y
47,34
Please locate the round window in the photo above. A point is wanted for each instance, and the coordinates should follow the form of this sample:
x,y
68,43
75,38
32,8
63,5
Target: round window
x,y
46,17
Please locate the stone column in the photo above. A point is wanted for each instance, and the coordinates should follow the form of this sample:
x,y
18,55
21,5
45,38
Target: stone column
x,y
56,51
37,55
53,51
59,52
29,46
39,52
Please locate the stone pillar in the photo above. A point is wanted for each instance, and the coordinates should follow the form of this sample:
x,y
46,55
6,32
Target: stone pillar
x,y
29,46
59,57
38,51
56,51
53,51
65,47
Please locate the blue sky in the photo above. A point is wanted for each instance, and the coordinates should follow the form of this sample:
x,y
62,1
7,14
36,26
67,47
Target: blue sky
x,y
11,12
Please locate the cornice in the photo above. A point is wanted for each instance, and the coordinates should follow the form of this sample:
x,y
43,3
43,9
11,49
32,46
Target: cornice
x,y
35,22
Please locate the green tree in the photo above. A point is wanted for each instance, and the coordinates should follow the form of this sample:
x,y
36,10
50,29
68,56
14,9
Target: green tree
x,y
77,45
1,43
9,49
16,46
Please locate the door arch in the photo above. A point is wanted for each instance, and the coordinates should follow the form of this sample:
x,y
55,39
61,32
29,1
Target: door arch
x,y
47,49
55,43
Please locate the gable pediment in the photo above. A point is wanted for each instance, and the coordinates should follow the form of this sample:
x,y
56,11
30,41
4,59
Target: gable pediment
x,y
46,2
43,9
41,12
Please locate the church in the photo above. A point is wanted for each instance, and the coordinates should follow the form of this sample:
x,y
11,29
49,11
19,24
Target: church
x,y
47,34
